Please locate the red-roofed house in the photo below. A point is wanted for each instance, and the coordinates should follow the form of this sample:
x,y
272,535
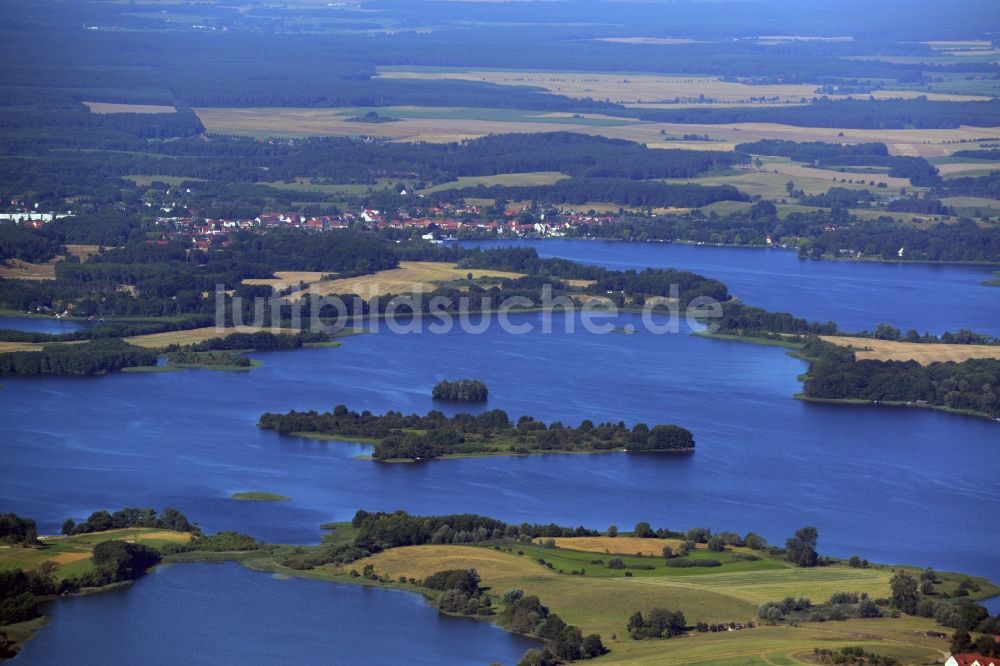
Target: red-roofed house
x,y
971,659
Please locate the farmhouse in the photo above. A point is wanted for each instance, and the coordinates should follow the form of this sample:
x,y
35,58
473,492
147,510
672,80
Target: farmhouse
x,y
971,659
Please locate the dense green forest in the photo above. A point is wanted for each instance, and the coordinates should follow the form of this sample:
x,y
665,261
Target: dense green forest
x,y
621,191
819,234
414,437
90,358
835,375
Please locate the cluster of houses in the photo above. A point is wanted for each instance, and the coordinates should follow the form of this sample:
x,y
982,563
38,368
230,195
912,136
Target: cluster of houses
x,y
438,224
972,659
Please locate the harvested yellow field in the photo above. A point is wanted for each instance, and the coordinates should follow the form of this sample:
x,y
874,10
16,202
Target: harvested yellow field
x,y
107,107
620,545
421,561
18,347
69,558
22,270
650,89
409,277
333,122
287,279
83,252
923,353
163,535
962,167
794,170
506,179
194,336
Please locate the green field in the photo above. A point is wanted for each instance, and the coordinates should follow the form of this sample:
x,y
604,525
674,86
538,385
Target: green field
x,y
506,179
71,554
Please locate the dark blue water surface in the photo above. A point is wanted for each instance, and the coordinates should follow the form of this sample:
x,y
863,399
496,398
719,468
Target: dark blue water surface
x,y
226,614
877,481
856,295
892,485
43,324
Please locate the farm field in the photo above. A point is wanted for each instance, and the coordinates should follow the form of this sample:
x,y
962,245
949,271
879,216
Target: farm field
x,y
923,353
444,125
646,89
508,179
603,604
108,107
193,336
71,554
403,280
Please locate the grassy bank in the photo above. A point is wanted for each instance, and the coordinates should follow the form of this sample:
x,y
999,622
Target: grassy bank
x,y
893,403
601,599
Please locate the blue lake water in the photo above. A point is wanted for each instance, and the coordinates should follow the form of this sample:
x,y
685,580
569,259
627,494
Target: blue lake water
x,y
892,485
226,614
43,324
856,295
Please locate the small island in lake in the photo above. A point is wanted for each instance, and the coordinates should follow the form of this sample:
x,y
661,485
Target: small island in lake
x,y
400,437
258,496
461,390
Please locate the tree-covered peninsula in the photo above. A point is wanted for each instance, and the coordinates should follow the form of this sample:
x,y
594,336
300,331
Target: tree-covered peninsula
x,y
400,437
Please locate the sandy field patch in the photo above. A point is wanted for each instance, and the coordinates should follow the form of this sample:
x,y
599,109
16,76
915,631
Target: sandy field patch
x,y
108,107
22,270
635,88
402,280
69,558
923,353
287,279
421,561
193,336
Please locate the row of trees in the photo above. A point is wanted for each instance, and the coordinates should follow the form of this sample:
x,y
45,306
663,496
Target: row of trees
x,y
102,521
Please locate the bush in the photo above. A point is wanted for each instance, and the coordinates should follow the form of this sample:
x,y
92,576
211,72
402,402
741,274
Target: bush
x,y
615,563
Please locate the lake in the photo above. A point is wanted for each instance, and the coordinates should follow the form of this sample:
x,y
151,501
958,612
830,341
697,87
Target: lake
x,y
227,614
43,324
856,295
892,485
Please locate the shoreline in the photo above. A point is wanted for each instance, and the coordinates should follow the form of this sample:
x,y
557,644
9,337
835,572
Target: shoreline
x,y
894,403
873,260
320,437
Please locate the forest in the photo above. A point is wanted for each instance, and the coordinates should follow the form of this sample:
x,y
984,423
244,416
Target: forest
x,y
414,437
621,191
972,385
96,357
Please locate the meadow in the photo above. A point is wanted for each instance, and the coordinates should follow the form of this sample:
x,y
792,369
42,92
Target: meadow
x,y
72,554
731,593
